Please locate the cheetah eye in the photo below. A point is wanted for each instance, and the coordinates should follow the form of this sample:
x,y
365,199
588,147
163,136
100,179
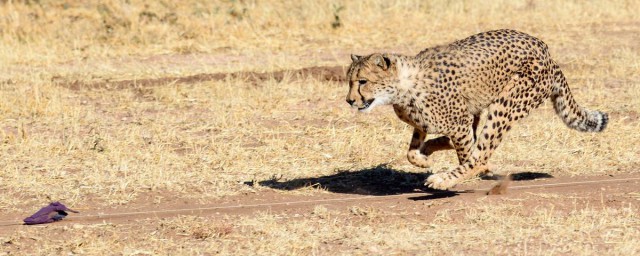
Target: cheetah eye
x,y
362,82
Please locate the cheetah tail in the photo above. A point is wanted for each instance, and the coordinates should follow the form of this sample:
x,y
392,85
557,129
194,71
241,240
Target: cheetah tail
x,y
572,114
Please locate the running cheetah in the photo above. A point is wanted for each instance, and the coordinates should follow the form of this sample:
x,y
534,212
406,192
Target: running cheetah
x,y
444,89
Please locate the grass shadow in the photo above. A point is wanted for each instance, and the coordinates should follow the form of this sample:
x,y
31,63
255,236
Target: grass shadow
x,y
378,180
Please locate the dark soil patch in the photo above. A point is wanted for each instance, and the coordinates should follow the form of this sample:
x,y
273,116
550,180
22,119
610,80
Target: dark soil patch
x,y
329,74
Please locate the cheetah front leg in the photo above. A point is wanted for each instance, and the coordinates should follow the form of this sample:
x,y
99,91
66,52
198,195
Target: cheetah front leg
x,y
488,169
463,142
420,150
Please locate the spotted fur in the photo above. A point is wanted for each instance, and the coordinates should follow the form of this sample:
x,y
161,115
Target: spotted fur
x,y
444,90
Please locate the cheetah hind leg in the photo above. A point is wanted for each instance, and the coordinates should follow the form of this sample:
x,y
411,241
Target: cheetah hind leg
x,y
507,109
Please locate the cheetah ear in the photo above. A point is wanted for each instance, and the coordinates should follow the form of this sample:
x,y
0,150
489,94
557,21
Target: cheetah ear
x,y
383,61
355,58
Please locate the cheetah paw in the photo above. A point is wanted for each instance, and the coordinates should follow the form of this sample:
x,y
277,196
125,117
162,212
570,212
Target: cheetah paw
x,y
440,181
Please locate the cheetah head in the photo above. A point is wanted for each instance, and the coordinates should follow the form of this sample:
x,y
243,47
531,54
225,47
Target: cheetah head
x,y
371,81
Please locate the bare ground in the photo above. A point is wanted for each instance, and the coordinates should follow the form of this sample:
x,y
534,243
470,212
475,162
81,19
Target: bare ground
x,y
385,190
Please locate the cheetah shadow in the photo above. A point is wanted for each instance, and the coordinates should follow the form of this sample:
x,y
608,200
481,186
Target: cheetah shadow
x,y
520,176
379,180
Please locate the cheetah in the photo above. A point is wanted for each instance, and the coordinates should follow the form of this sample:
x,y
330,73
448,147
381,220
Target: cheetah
x,y
445,89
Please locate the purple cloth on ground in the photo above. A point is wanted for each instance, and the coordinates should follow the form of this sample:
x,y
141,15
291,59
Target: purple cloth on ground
x,y
53,212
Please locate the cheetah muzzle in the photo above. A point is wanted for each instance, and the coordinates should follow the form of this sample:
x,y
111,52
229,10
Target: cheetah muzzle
x,y
367,104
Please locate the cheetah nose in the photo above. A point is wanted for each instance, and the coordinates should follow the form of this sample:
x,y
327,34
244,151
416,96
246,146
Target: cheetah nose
x,y
350,101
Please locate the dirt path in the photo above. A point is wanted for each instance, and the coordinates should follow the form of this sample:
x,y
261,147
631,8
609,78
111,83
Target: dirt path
x,y
334,73
609,191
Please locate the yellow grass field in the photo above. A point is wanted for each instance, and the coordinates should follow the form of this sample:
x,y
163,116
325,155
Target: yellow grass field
x,y
146,108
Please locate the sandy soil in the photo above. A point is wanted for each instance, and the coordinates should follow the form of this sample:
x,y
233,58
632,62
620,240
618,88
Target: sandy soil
x,y
343,192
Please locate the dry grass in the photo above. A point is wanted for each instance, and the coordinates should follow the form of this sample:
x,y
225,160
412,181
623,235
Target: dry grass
x,y
132,39
499,229
97,148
